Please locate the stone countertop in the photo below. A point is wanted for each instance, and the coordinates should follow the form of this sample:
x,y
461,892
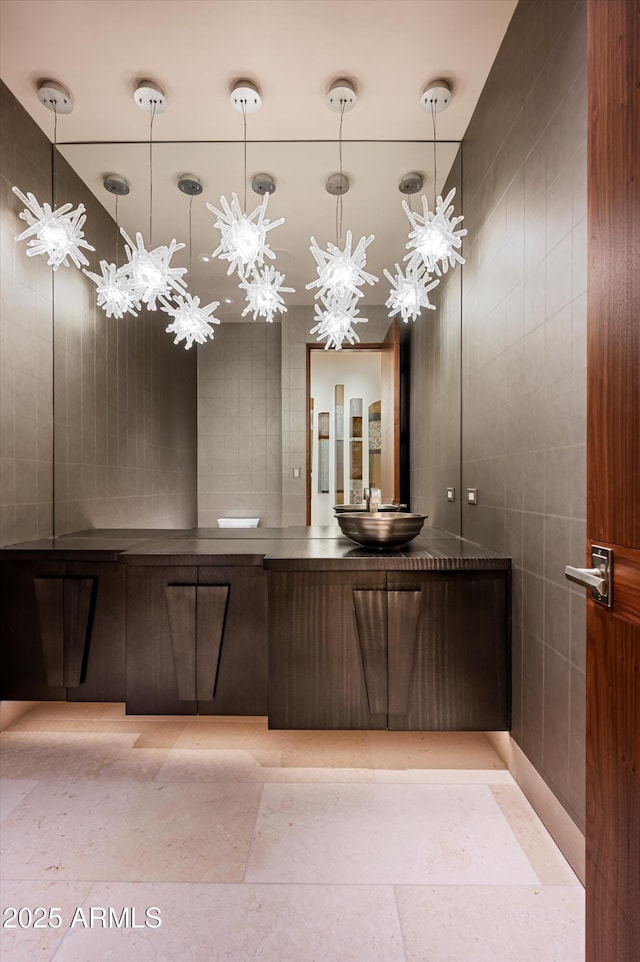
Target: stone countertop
x,y
278,549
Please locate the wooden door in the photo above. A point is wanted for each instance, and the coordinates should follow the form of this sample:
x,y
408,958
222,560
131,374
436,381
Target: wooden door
x,y
613,480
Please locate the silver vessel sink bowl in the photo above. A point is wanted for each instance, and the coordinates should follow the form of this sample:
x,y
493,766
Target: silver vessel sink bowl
x,y
381,530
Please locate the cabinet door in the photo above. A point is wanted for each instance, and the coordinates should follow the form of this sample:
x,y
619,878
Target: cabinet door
x,y
232,641
103,675
448,651
161,657
24,656
327,650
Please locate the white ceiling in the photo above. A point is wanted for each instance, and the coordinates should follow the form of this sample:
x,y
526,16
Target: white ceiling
x,y
293,50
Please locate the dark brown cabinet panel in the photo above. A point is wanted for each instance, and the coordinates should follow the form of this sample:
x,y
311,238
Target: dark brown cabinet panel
x,y
327,650
103,677
448,651
196,640
152,679
62,631
23,674
240,680
425,651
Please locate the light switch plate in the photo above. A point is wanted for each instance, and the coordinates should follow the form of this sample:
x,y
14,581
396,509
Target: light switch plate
x,y
472,495
451,494
297,473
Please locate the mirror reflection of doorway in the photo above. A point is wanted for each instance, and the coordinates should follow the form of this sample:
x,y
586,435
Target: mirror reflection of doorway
x,y
352,426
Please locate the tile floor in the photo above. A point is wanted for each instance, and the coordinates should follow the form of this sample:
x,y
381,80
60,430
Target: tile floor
x,y
271,846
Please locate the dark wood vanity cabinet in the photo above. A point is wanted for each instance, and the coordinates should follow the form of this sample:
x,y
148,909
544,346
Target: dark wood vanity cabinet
x,y
326,670
63,630
448,650
424,650
196,640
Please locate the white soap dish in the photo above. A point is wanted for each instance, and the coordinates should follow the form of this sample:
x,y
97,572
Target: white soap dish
x,y
238,522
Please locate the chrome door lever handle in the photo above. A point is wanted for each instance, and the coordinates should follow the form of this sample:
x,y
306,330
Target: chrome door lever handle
x,y
599,578
588,577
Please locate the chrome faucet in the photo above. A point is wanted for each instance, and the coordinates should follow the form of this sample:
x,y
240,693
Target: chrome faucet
x,y
372,497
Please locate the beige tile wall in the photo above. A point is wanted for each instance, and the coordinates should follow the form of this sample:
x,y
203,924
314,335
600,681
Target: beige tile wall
x,y
239,423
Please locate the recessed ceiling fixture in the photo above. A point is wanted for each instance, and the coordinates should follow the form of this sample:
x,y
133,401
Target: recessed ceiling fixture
x,y
115,293
190,321
340,270
54,231
434,242
150,272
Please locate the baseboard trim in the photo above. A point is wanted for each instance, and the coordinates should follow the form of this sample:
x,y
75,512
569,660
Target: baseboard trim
x,y
11,711
555,818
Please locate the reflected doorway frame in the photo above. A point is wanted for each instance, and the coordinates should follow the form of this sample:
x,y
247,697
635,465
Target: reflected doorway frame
x,y
390,348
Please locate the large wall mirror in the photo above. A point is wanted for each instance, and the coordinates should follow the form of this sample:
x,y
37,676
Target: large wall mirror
x,y
150,435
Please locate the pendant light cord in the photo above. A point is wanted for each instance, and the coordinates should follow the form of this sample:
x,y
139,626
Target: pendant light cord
x,y
190,206
339,196
435,155
54,166
117,235
153,113
244,123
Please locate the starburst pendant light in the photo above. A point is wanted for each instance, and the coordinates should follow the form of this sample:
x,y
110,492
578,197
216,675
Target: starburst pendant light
x,y
54,231
341,271
191,323
150,273
336,322
435,239
243,237
264,290
409,293
114,292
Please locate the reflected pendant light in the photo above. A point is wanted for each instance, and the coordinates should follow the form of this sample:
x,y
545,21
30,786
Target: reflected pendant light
x,y
336,322
191,323
150,273
243,237
434,242
264,290
341,271
409,293
54,231
114,292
